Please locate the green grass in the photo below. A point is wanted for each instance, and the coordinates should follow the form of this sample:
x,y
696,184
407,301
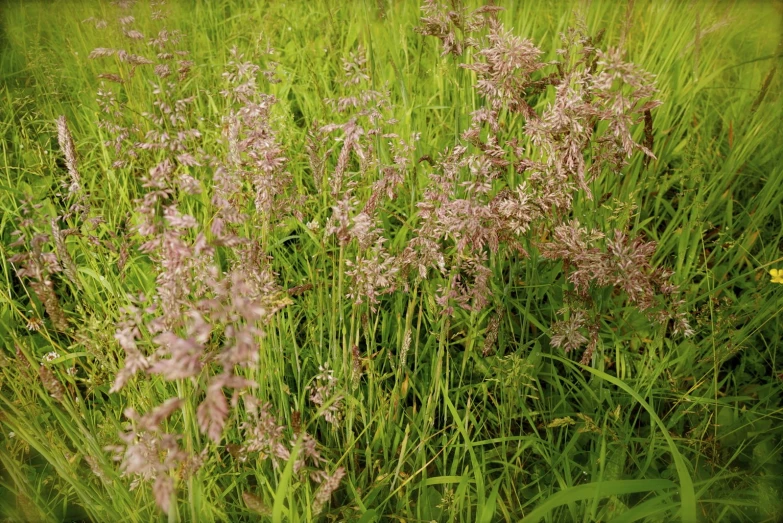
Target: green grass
x,y
656,429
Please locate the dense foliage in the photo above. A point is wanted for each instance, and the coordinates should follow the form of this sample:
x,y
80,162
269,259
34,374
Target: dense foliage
x,y
379,261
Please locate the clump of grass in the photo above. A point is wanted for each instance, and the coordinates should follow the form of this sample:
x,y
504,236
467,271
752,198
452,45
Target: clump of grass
x,y
348,279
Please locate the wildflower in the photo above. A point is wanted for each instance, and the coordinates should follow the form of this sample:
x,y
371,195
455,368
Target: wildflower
x,y
34,324
777,275
50,357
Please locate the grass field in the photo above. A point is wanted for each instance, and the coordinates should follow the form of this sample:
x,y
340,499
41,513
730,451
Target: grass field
x,y
360,261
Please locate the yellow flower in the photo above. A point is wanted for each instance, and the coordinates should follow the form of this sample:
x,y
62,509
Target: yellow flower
x,y
777,275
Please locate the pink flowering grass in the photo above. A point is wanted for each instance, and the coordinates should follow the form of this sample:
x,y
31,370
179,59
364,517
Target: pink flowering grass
x,y
461,264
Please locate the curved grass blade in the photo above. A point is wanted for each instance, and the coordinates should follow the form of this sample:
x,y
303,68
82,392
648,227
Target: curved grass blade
x,y
597,489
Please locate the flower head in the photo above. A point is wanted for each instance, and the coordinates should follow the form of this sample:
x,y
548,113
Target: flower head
x,y
34,324
777,275
50,357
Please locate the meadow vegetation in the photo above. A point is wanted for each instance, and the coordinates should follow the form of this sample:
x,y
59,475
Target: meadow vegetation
x,y
379,261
